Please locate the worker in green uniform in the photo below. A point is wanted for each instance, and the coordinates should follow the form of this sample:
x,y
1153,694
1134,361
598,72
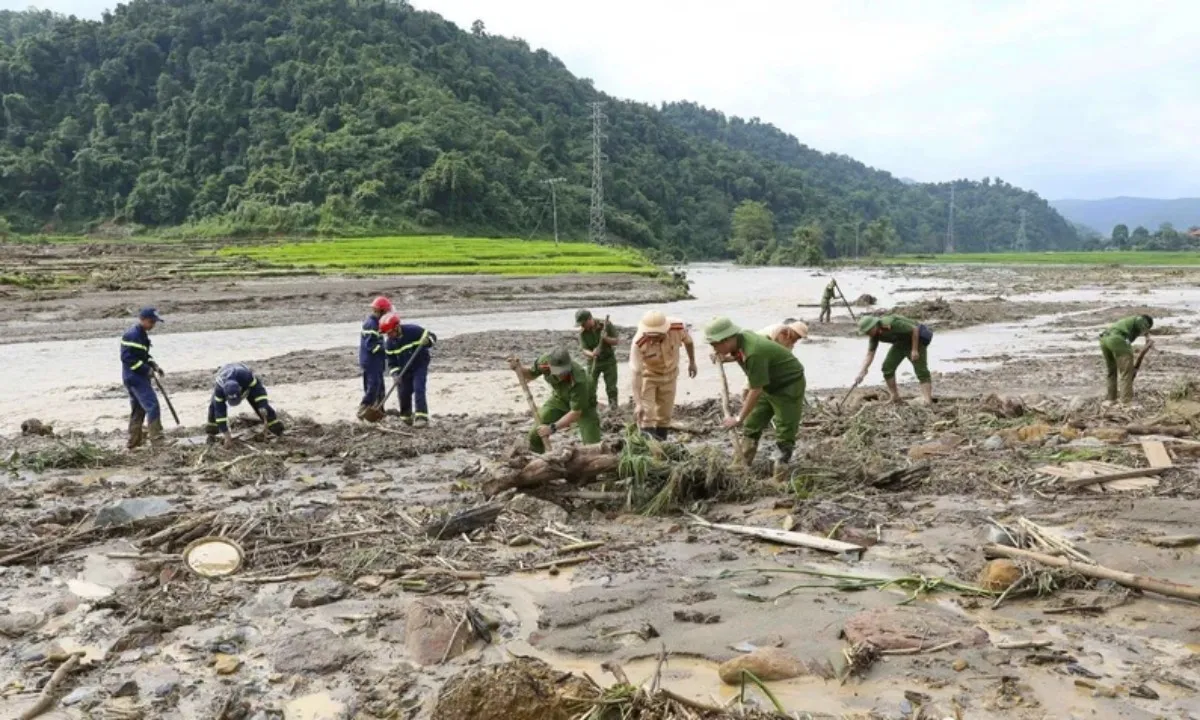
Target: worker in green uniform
x,y
826,300
572,401
598,340
909,340
776,387
1116,344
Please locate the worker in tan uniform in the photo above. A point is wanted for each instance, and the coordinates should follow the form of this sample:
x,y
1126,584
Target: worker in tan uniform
x,y
787,333
654,365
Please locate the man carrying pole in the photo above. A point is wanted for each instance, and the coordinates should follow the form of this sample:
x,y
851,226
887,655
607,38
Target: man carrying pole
x,y
776,387
572,400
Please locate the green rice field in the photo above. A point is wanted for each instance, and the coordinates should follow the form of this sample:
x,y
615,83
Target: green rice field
x,y
444,255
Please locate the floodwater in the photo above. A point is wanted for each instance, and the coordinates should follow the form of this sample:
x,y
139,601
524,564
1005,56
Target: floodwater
x,y
58,382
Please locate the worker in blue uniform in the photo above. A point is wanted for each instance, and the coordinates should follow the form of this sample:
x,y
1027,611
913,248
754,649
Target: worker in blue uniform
x,y
371,357
136,369
236,382
404,342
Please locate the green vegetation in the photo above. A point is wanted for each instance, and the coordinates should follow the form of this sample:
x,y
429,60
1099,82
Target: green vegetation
x,y
1108,257
253,117
426,255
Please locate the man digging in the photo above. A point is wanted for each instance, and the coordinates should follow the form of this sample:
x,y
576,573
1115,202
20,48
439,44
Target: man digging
x,y
572,400
598,340
371,358
1116,344
137,367
776,387
654,366
908,340
236,382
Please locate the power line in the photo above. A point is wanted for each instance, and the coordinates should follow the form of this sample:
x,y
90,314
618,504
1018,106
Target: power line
x,y
596,230
554,201
1022,241
950,224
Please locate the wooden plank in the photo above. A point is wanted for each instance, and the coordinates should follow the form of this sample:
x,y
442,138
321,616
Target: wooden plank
x,y
1098,479
784,537
1156,454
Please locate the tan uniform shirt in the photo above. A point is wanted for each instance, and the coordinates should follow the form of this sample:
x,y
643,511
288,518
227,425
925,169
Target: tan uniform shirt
x,y
771,331
659,359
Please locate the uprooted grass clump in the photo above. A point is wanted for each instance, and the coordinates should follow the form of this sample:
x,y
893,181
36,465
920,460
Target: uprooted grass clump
x,y
664,476
61,454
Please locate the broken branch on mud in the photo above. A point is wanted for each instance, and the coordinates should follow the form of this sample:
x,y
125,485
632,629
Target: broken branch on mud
x,y
783,537
1099,572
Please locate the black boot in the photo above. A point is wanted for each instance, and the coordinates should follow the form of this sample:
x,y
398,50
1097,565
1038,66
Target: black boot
x,y
661,433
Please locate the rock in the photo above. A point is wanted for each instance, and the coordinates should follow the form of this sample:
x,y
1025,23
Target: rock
x,y
370,582
994,442
434,632
130,509
910,628
129,688
319,591
769,664
524,689
316,650
1107,434
960,665
726,555
537,508
80,695
33,426
165,689
1005,406
226,664
999,574
17,624
1077,404
996,536
695,616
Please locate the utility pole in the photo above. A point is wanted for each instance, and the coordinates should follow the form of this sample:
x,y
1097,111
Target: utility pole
x,y
596,230
950,225
1022,242
554,202
857,225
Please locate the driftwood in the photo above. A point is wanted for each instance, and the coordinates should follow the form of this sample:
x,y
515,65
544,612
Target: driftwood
x,y
1175,541
463,522
1172,430
1099,572
46,699
578,465
901,478
783,537
1098,479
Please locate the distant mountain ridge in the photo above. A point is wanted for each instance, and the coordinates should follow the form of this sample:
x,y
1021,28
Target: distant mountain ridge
x,y
1103,215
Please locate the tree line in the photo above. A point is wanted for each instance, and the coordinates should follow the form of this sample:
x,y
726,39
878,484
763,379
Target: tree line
x,y
347,116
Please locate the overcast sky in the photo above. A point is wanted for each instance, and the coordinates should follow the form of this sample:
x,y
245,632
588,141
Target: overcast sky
x,y
1071,98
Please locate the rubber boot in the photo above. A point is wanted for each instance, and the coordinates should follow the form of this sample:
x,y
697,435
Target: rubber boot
x,y
779,462
421,422
749,450
135,429
893,390
662,433
156,433
927,393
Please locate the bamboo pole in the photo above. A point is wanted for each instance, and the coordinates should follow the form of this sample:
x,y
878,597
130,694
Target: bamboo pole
x,y
1099,572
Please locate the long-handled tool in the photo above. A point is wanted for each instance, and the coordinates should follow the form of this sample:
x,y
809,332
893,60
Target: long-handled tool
x,y
845,302
375,413
847,395
725,409
1137,363
166,397
533,408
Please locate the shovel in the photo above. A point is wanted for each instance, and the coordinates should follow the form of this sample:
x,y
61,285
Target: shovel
x,y
375,413
166,397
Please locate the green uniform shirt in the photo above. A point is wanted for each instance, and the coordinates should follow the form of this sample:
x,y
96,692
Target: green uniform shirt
x,y
574,393
767,364
828,294
1131,328
901,331
590,339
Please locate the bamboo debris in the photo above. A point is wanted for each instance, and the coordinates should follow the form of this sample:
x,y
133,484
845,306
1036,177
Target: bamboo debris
x,y
1099,572
783,537
1052,542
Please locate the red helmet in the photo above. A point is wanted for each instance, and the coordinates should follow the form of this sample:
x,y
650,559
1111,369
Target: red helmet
x,y
389,322
381,303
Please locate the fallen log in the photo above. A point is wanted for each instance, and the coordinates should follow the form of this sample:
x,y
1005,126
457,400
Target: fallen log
x,y
1172,430
463,522
578,465
1175,541
1098,479
783,537
1099,572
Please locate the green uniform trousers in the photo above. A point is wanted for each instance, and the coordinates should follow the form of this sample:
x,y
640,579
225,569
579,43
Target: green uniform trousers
x,y
1118,361
786,407
553,410
826,311
608,370
902,351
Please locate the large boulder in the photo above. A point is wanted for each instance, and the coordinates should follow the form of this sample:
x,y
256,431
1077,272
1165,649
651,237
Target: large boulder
x,y
771,664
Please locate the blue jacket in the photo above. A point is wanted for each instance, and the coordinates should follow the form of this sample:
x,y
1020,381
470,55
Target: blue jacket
x,y
135,352
400,348
246,382
370,345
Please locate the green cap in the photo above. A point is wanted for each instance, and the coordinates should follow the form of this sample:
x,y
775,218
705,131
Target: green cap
x,y
719,329
867,323
582,316
560,361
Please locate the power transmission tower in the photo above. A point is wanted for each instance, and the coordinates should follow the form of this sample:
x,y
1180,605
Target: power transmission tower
x,y
1022,242
554,202
596,229
950,226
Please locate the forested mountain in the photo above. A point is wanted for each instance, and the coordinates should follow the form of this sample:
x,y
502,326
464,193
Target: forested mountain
x,y
1104,215
348,115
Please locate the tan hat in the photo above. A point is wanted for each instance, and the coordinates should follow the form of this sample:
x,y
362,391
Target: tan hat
x,y
799,328
654,322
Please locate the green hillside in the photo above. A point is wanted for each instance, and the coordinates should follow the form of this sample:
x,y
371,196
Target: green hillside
x,y
369,117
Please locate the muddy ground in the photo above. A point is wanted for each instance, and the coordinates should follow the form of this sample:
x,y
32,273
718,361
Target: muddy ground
x,y
346,606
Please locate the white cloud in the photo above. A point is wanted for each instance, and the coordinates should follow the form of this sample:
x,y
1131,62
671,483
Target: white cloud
x,y
1079,98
